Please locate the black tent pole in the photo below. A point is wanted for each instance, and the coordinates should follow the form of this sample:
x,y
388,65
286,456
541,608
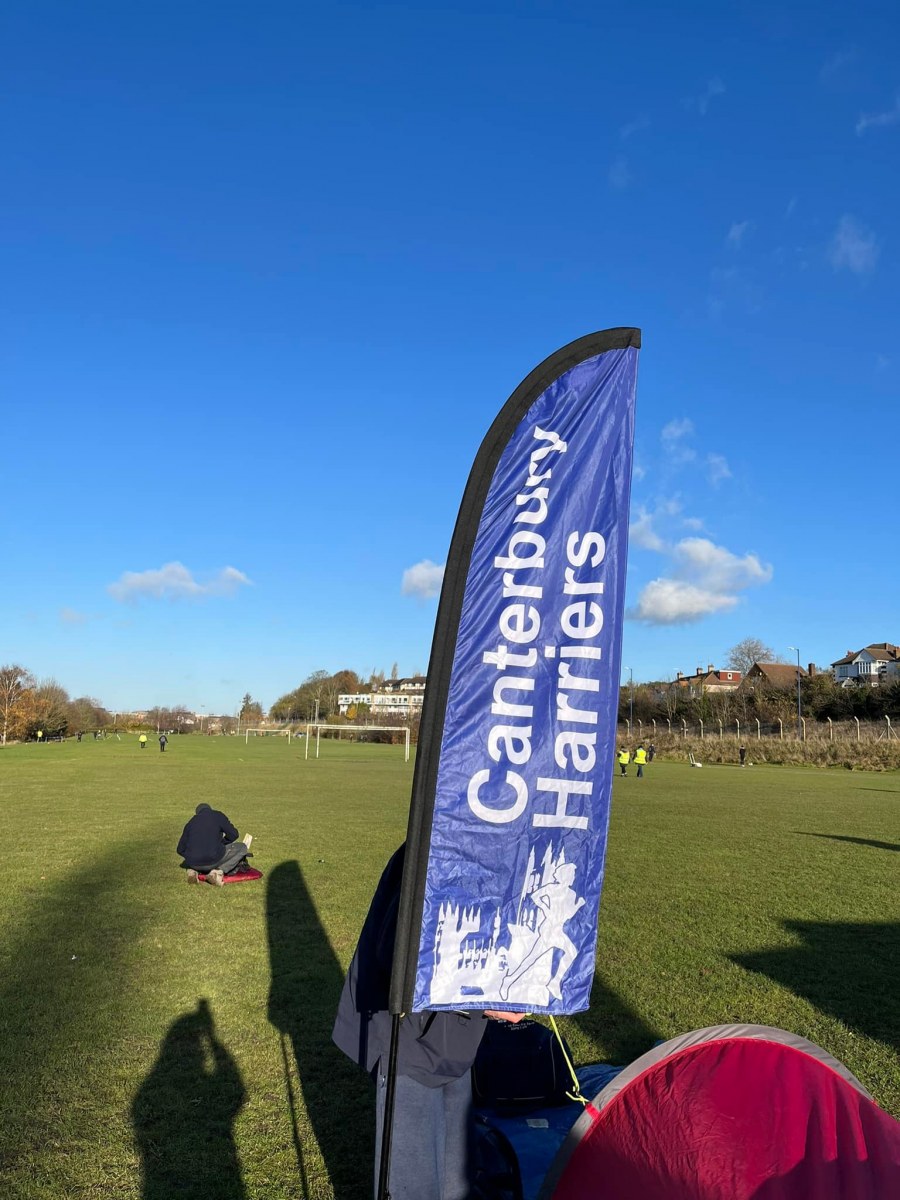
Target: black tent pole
x,y
387,1124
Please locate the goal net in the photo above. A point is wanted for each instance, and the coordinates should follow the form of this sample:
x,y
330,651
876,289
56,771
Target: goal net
x,y
337,730
267,733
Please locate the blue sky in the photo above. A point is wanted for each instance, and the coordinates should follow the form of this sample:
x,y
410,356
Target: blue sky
x,y
269,271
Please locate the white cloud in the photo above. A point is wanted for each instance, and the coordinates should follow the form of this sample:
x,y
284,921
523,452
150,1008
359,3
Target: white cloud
x,y
632,127
69,616
694,523
703,562
714,88
619,176
422,580
834,66
641,532
853,247
880,120
736,233
676,429
173,581
673,435
717,468
672,602
705,580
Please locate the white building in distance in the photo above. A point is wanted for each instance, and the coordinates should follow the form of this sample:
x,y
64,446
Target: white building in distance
x,y
396,697
874,664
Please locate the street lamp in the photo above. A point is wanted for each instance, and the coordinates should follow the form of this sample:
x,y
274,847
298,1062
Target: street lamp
x,y
202,715
799,708
631,702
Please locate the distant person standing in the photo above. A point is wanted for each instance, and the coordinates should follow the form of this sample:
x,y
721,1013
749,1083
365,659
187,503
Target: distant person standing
x,y
624,759
162,743
742,753
142,741
640,758
40,735
651,752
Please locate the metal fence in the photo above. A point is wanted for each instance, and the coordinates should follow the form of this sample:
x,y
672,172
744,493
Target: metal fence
x,y
853,730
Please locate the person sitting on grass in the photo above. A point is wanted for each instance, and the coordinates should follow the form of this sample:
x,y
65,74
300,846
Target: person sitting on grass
x,y
209,845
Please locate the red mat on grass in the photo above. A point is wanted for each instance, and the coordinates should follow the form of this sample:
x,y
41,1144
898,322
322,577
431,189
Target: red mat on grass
x,y
238,876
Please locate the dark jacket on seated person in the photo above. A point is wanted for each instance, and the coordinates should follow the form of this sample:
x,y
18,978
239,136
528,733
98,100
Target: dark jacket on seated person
x,y
205,836
435,1047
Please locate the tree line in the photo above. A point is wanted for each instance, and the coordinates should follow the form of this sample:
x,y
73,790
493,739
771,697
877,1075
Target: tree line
x,y
316,698
28,705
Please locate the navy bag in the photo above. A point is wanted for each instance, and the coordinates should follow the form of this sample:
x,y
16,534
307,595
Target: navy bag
x,y
519,1067
495,1167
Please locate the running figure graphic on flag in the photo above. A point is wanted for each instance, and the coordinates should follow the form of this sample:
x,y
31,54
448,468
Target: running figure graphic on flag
x,y
557,904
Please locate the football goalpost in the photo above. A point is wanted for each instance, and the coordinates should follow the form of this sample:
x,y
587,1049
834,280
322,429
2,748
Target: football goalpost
x,y
339,729
266,732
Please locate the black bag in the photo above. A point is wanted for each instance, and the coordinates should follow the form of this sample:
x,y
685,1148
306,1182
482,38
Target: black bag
x,y
520,1067
495,1168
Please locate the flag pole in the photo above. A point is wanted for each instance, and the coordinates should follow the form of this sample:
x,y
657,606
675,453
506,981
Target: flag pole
x,y
387,1124
602,464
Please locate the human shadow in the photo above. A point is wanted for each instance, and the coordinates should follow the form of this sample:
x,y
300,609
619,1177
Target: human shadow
x,y
821,1173
851,971
306,985
184,1113
610,1021
63,963
857,841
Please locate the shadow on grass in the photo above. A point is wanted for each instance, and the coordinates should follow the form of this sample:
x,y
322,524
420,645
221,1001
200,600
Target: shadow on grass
x,y
851,971
615,1026
62,968
857,841
184,1114
306,986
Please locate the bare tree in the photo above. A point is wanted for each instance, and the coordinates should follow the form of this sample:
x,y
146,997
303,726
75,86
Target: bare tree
x,y
51,701
14,682
87,714
748,651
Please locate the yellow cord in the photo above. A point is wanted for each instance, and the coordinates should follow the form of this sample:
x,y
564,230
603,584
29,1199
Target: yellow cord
x,y
575,1094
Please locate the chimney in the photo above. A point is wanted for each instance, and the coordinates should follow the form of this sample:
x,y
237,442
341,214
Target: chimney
x,y
699,670
680,675
811,669
710,669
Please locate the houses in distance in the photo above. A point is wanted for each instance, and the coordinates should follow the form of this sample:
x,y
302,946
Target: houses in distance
x,y
874,664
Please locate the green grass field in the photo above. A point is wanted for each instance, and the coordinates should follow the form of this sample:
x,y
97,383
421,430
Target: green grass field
x,y
159,1040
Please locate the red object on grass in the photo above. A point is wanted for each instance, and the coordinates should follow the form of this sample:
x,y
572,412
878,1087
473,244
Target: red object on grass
x,y
238,876
731,1113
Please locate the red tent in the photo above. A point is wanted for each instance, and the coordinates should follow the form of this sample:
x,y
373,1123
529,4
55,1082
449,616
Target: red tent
x,y
732,1112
